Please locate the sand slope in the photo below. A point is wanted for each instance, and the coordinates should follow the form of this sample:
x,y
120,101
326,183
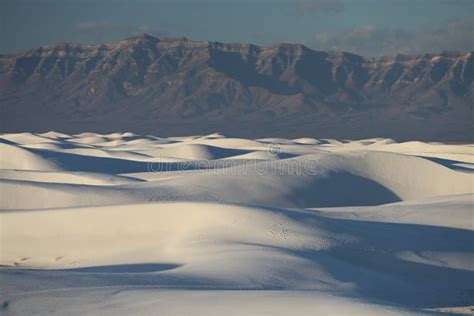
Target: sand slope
x,y
130,224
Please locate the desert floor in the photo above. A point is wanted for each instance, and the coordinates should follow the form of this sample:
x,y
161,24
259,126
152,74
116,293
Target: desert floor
x,y
210,225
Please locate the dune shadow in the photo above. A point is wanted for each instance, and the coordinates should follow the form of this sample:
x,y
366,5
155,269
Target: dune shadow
x,y
341,189
376,270
126,268
451,164
109,165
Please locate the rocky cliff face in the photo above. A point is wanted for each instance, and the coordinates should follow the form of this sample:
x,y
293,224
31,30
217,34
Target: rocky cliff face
x,y
167,86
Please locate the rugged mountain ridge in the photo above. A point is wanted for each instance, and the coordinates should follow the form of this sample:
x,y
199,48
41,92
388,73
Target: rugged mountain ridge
x,y
178,86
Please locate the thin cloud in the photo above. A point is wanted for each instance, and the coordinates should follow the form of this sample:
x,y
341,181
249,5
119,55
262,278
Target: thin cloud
x,y
90,25
374,40
316,7
102,31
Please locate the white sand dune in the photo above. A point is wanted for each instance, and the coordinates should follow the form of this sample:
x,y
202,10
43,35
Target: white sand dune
x,y
17,157
81,178
208,225
29,138
197,152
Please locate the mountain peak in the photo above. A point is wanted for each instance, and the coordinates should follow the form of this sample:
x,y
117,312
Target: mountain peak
x,y
142,37
178,80
150,38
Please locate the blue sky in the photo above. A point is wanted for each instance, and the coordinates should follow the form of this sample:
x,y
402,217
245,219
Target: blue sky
x,y
368,27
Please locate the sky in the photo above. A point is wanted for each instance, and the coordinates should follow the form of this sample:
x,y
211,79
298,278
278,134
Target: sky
x,y
366,27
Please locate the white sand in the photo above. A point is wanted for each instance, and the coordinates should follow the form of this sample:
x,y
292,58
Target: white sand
x,y
209,225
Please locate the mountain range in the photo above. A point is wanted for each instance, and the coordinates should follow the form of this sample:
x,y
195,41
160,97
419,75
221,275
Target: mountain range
x,y
176,86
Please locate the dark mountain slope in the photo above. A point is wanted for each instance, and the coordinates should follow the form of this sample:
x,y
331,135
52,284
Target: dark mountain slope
x,y
175,86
